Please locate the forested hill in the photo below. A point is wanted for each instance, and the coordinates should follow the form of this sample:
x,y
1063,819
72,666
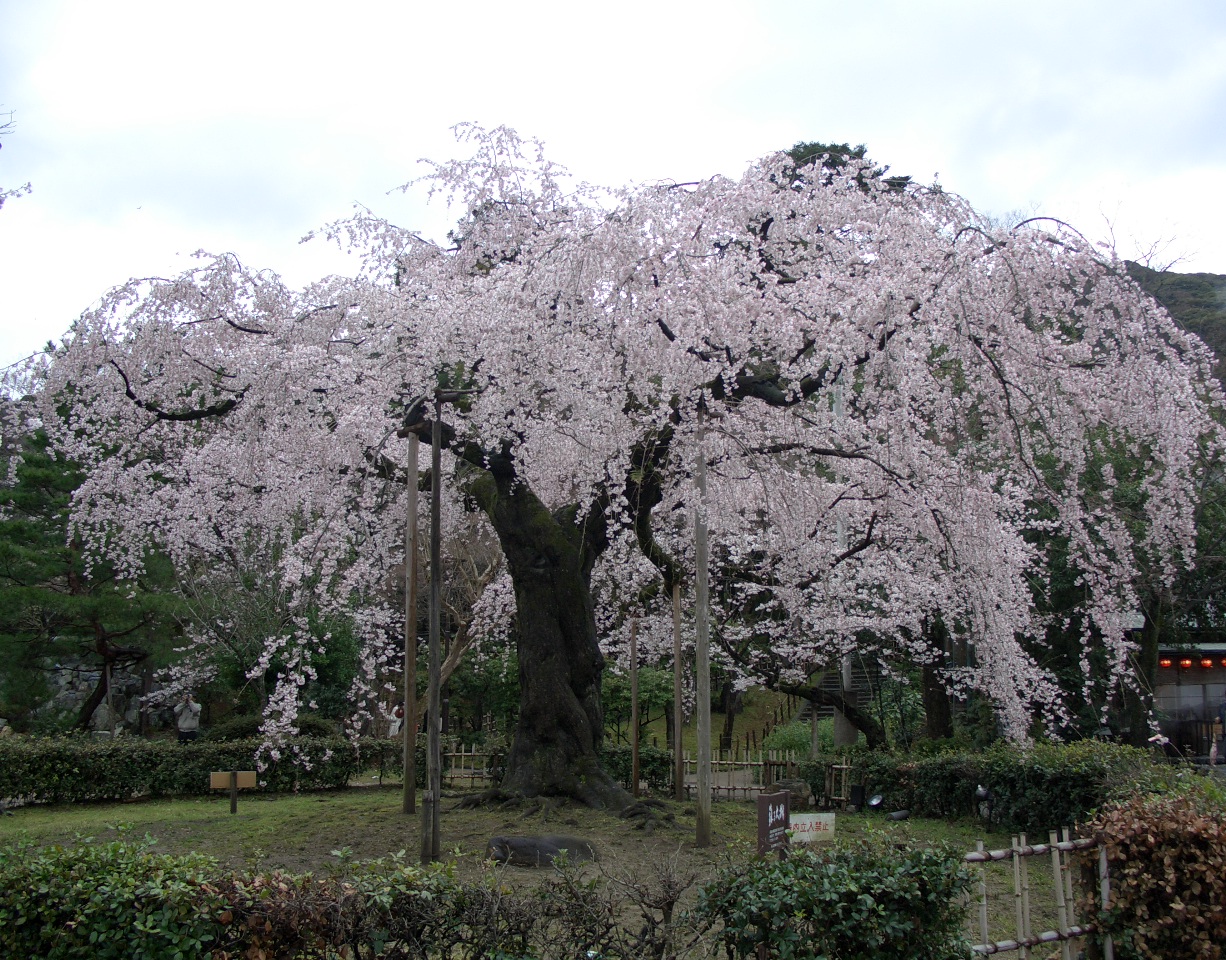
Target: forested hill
x,y
1197,301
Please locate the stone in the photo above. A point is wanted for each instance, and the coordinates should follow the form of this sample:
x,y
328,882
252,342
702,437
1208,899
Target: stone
x,y
538,851
801,792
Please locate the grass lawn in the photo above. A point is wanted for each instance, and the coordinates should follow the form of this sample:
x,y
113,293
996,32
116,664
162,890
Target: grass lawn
x,y
300,832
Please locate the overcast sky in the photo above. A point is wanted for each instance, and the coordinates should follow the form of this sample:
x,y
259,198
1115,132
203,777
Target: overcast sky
x,y
150,130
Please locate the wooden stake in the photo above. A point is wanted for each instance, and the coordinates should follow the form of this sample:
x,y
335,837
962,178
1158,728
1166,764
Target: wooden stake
x,y
634,705
409,730
678,759
702,636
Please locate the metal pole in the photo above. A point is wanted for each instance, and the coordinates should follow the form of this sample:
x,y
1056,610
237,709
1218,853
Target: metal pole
x,y
409,730
634,706
702,636
678,756
430,845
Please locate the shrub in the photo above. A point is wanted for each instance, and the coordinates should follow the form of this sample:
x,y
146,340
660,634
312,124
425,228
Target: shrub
x,y
248,728
861,902
78,769
796,737
1166,857
1033,788
115,900
655,765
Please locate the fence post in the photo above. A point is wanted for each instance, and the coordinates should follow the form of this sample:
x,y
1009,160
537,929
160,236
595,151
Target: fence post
x,y
1105,895
1058,884
983,897
1017,897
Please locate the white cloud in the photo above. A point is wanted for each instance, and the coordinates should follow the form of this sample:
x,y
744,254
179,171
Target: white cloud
x,y
150,129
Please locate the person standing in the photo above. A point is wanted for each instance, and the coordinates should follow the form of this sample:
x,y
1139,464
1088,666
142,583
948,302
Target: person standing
x,y
187,719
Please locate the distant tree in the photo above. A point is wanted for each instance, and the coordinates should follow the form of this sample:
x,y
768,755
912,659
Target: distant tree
x,y
54,603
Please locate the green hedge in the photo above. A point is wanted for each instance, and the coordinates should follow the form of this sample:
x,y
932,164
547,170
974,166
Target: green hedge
x,y
76,769
121,900
655,765
109,901
863,902
1034,788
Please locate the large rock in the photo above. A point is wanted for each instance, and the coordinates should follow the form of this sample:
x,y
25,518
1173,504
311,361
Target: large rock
x,y
538,851
800,791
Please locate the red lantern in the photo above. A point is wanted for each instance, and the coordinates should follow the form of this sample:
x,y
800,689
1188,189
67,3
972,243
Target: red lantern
x,y
1186,663
1223,662
1166,662
1206,663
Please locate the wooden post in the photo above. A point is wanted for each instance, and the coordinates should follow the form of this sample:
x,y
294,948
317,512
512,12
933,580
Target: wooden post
x,y
1058,883
233,792
1017,898
430,844
702,636
983,897
1104,892
634,706
678,758
409,730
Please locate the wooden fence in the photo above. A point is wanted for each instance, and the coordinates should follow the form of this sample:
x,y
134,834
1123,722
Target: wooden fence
x,y
741,774
1068,929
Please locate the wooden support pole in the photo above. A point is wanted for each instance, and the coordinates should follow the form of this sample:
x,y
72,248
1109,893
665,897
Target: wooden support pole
x,y
702,636
678,758
233,792
430,844
409,730
634,706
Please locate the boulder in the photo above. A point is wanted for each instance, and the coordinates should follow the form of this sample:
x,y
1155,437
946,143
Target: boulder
x,y
801,792
538,851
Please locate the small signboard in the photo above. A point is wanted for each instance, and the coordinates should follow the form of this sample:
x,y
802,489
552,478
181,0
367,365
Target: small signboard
x,y
221,781
772,822
811,827
234,781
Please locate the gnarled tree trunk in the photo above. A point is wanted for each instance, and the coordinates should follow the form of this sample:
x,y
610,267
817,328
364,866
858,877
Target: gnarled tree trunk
x,y
561,723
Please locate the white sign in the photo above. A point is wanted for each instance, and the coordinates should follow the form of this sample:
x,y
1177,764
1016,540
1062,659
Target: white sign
x,y
810,827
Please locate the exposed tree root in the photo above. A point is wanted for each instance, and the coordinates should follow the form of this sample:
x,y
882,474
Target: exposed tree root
x,y
644,814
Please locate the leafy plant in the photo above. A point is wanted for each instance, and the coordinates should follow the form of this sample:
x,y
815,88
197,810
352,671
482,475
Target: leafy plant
x,y
861,902
1166,858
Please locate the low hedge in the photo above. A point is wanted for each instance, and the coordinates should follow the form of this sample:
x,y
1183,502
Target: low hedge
x,y
1166,857
121,900
862,902
655,765
1033,788
77,769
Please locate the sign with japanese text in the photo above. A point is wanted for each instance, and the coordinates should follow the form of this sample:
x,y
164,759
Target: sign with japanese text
x,y
772,822
809,827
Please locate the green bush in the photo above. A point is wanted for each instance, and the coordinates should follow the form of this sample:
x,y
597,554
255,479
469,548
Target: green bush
x,y
861,902
248,728
1166,857
796,737
1035,788
78,769
100,901
655,765
119,900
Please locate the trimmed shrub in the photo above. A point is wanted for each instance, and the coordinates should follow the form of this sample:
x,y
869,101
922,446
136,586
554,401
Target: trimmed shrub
x,y
655,765
119,900
110,901
1033,788
862,902
1166,857
77,769
248,728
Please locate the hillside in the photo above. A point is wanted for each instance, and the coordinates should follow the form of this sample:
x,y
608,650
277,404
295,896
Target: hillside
x,y
1197,301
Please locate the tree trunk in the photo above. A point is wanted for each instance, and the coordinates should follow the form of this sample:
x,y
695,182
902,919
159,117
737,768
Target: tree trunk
x,y
938,717
561,723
